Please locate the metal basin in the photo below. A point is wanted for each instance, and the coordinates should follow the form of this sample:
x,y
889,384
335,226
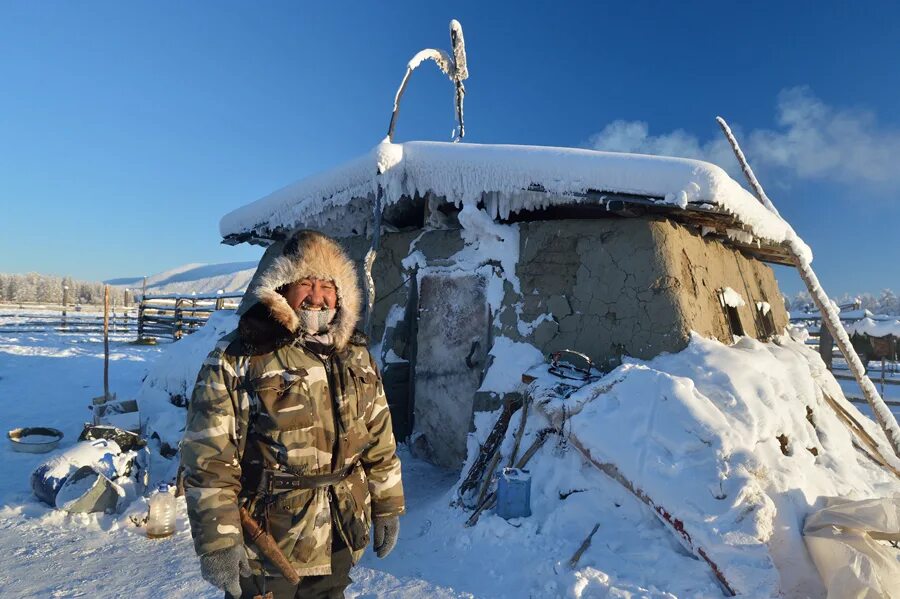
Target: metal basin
x,y
34,439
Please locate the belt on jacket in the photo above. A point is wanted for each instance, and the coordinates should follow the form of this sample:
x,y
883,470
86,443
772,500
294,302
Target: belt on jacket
x,y
282,480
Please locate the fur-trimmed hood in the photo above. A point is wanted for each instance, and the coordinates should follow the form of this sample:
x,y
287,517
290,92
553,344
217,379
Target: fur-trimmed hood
x,y
267,320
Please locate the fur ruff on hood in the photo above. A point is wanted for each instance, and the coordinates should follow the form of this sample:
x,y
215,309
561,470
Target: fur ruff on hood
x,y
305,254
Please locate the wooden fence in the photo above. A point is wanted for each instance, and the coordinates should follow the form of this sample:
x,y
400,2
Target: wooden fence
x,y
156,316
177,315
31,319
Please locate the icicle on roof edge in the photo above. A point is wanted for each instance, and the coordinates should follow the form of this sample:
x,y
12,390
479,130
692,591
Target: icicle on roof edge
x,y
464,172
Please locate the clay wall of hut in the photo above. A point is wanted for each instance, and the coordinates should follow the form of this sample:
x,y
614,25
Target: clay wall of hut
x,y
606,287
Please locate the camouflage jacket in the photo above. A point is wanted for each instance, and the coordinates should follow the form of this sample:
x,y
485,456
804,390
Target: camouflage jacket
x,y
291,407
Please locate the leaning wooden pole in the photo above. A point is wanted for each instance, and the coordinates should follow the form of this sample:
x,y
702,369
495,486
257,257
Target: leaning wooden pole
x,y
106,343
830,317
827,309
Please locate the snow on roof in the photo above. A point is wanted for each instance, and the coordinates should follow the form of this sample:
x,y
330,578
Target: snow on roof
x,y
465,172
874,328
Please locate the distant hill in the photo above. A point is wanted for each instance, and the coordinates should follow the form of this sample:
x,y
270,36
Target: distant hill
x,y
201,278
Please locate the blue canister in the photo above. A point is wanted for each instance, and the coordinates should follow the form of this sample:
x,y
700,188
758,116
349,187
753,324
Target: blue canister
x,y
514,493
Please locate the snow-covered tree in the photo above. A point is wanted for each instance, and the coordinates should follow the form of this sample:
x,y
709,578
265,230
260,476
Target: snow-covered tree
x,y
35,287
888,303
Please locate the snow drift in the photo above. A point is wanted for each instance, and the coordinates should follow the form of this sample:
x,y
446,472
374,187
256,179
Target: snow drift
x,y
733,446
169,383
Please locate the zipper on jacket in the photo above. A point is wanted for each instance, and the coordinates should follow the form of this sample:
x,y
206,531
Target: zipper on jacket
x,y
337,454
335,518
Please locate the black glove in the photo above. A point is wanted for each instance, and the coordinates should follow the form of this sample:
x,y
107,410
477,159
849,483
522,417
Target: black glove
x,y
385,534
223,568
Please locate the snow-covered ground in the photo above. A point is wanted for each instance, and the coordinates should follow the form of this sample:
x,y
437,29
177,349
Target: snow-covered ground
x,y
48,379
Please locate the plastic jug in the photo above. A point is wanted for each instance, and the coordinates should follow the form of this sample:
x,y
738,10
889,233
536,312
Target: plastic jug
x,y
161,521
514,493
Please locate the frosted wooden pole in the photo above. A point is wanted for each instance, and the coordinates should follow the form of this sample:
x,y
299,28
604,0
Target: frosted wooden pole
x,y
369,261
106,343
758,190
454,67
65,303
830,317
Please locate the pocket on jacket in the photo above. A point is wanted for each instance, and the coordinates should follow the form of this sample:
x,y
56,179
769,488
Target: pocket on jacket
x,y
280,522
292,522
364,381
354,513
285,402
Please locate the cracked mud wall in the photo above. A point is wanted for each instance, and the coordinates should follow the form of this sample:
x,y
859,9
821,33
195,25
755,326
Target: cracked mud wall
x,y
391,279
606,286
387,273
703,266
633,287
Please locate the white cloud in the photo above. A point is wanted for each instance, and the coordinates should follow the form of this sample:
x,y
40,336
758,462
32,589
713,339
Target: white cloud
x,y
813,141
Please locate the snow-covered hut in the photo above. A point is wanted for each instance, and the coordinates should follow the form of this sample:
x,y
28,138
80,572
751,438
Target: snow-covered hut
x,y
491,255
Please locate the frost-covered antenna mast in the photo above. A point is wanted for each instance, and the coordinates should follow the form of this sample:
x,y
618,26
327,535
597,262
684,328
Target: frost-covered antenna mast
x,y
452,66
827,309
455,68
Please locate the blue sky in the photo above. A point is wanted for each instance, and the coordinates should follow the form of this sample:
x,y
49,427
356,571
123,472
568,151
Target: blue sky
x,y
128,129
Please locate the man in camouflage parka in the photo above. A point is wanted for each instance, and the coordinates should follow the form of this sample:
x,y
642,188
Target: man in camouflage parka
x,y
293,388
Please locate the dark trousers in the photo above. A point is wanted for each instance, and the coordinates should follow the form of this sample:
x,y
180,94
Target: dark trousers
x,y
330,586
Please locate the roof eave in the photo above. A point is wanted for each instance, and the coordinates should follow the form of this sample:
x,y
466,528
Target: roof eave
x,y
615,203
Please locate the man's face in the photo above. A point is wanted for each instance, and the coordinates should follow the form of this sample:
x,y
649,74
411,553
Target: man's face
x,y
311,293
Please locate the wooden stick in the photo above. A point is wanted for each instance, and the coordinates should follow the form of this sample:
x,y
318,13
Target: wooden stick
x,y
758,190
883,415
491,498
491,445
106,343
672,523
487,504
584,546
874,449
489,475
538,443
519,434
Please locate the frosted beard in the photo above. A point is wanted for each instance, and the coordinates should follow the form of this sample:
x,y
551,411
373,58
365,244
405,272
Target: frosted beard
x,y
315,321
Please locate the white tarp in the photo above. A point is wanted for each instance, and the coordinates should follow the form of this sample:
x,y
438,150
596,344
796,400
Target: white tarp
x,y
843,540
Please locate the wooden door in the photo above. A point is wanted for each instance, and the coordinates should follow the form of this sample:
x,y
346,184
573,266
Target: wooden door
x,y
451,340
